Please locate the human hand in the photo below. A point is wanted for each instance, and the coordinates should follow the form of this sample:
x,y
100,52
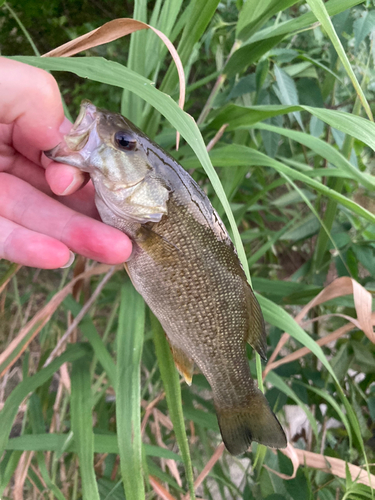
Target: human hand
x,y
37,228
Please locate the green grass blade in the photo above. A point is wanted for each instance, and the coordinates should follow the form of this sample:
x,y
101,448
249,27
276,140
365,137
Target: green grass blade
x,y
241,155
131,106
320,11
172,389
292,26
241,116
324,150
11,406
130,335
81,422
8,471
255,14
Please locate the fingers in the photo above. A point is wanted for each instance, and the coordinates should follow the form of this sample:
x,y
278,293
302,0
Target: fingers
x,y
29,248
32,121
29,208
30,99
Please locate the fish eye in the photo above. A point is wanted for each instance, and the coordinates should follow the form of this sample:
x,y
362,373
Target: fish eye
x,y
125,141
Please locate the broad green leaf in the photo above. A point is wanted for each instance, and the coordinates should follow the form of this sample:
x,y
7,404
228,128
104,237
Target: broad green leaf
x,y
130,335
287,92
172,389
363,26
103,443
81,422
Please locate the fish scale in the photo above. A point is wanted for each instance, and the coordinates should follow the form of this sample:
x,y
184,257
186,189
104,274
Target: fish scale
x,y
183,263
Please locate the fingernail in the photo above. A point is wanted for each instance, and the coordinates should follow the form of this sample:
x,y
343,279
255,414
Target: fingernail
x,y
70,261
76,181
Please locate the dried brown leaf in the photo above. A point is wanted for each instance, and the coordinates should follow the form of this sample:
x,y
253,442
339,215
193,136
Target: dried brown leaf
x,y
334,466
113,30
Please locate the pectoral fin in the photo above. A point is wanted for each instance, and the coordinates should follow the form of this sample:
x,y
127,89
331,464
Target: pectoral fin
x,y
184,364
256,333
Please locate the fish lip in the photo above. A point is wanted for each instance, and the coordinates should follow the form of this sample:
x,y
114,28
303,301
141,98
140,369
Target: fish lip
x,y
72,149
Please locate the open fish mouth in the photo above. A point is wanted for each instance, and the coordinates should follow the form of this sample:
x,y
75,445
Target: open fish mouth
x,y
81,140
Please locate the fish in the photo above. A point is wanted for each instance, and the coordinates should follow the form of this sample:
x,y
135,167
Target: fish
x,y
183,263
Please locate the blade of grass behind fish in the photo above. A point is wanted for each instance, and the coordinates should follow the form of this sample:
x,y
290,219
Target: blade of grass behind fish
x,y
130,334
172,389
81,403
320,11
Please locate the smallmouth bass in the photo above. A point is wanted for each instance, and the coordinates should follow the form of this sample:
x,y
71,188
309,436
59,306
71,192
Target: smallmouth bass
x,y
184,264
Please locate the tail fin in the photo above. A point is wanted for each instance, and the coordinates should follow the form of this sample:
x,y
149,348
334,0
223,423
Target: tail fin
x,y
254,422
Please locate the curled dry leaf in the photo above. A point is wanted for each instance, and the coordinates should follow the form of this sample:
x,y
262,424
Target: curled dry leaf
x,y
111,31
291,453
334,466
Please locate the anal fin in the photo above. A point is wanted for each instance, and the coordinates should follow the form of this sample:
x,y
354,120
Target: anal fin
x,y
184,364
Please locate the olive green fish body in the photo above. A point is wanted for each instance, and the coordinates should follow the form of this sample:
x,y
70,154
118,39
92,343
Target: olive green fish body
x,y
183,264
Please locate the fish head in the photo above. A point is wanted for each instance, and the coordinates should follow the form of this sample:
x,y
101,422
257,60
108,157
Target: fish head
x,y
111,149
